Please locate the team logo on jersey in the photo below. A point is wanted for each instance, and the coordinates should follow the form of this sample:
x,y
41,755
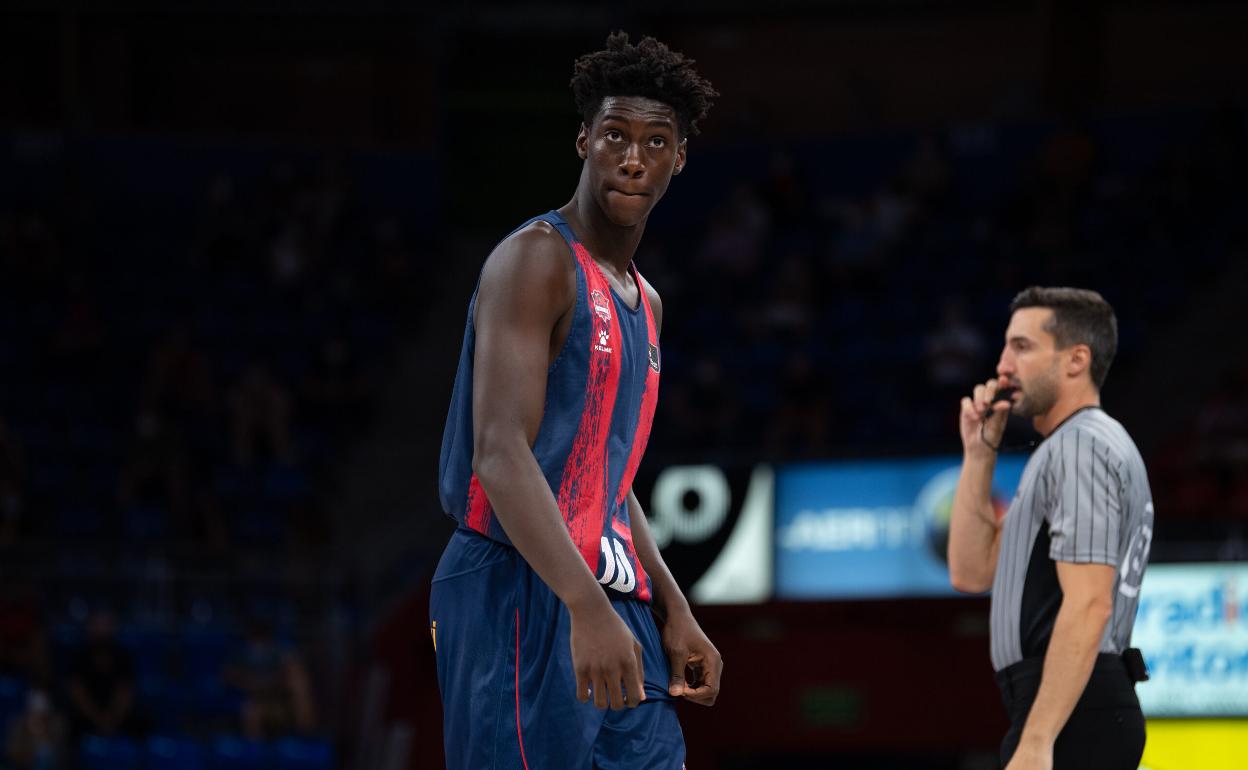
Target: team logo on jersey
x,y
654,357
602,306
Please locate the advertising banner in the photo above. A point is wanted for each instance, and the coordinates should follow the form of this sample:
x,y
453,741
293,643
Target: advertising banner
x,y
1192,626
871,529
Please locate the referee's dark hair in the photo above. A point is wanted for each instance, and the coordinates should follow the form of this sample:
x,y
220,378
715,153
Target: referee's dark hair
x,y
1080,317
648,69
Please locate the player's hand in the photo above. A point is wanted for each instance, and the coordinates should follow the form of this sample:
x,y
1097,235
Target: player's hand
x,y
606,658
695,663
972,418
1031,756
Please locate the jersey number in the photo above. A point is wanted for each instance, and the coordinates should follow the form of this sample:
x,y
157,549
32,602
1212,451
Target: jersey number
x,y
1131,574
618,570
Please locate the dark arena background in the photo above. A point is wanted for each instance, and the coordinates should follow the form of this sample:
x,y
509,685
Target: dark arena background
x,y
237,240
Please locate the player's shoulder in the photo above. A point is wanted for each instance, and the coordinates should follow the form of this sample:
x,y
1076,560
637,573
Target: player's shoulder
x,y
533,257
537,245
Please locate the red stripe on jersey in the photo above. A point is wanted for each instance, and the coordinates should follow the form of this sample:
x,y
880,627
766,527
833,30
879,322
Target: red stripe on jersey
x,y
649,399
583,494
519,732
479,510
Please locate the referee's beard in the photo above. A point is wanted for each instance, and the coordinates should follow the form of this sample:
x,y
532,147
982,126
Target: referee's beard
x,y
1038,395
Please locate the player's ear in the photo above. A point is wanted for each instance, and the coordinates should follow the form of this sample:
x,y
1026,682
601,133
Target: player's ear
x,y
582,142
681,150
1080,360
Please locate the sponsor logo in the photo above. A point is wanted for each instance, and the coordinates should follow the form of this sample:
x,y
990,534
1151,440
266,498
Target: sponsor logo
x,y
604,337
654,357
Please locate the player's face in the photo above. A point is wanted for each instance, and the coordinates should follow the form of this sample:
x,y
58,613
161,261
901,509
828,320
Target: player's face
x,y
1030,361
631,151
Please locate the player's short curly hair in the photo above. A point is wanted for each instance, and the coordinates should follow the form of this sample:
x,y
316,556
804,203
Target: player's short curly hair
x,y
648,69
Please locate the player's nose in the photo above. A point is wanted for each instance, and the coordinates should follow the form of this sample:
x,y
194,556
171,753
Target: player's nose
x,y
632,164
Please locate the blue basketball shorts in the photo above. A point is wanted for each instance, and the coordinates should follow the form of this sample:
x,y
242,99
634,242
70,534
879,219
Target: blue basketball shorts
x,y
505,672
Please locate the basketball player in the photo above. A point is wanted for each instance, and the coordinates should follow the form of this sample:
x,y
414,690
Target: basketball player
x,y
542,603
1066,563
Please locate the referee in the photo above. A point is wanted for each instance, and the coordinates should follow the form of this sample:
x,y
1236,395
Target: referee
x,y
1065,563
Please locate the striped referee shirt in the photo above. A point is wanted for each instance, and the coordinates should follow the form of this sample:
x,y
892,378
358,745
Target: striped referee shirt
x,y
1083,498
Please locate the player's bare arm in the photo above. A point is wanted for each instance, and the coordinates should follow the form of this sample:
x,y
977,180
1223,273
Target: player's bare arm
x,y
1087,602
974,532
696,666
695,663
527,292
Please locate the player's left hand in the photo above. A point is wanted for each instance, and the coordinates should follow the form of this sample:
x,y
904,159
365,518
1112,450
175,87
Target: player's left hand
x,y
1030,756
695,663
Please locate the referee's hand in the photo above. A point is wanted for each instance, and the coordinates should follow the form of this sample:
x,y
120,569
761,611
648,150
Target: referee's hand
x,y
979,433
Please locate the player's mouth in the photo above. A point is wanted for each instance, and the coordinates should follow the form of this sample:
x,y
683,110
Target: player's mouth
x,y
630,194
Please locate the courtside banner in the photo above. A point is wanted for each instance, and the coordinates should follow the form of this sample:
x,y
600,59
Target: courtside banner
x,y
871,529
1192,626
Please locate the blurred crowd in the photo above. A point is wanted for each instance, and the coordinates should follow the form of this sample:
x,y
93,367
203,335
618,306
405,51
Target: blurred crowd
x,y
843,296
179,379
184,364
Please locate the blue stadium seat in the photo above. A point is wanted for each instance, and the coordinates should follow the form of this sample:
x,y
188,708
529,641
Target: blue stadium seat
x,y
304,754
12,698
79,520
172,753
283,483
147,522
99,753
229,752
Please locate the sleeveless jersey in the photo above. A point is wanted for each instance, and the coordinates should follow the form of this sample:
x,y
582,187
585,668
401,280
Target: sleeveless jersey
x,y
601,392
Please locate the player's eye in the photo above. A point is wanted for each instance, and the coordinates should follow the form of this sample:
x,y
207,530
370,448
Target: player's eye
x,y
658,141
613,135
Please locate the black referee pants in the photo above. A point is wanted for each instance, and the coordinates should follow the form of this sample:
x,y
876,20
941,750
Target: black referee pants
x,y
1106,729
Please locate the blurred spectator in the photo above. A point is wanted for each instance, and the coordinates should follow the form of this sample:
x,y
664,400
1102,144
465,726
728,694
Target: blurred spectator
x,y
12,484
34,251
337,389
35,739
735,238
23,643
276,688
784,191
928,174
1222,423
101,683
289,253
179,377
800,424
954,351
154,472
79,340
260,416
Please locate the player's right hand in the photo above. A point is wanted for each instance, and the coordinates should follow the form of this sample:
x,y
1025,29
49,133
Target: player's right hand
x,y
607,659
972,419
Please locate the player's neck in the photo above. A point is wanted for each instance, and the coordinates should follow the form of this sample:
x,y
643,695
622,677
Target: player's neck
x,y
1067,405
611,245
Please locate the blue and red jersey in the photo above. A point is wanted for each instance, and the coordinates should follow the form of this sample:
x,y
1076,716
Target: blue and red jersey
x,y
601,393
